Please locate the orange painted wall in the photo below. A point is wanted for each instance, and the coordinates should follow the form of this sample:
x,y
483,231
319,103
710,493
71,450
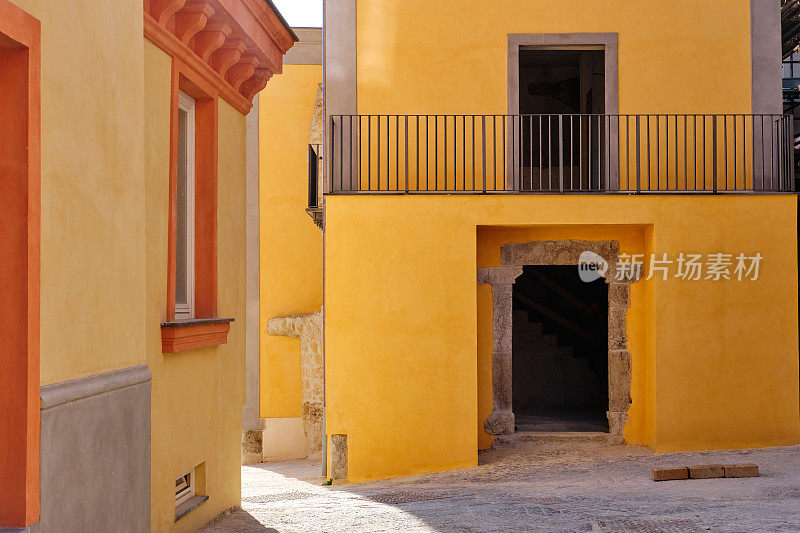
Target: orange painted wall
x,y
19,266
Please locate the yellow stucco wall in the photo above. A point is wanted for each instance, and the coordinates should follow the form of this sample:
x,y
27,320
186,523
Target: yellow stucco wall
x,y
290,243
669,61
92,184
715,364
197,395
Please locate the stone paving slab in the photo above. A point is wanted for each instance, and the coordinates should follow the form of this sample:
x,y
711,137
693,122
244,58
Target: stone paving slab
x,y
530,487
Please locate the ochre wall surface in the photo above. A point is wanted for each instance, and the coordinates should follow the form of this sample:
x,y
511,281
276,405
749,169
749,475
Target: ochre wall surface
x,y
668,60
714,363
197,395
290,243
92,187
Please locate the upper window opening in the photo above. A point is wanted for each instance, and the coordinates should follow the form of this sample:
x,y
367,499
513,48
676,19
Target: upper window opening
x,y
184,253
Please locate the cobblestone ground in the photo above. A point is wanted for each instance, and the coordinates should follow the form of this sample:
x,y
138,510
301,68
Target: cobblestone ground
x,y
530,487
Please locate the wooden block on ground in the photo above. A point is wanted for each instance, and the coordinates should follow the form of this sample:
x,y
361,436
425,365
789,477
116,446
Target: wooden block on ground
x,y
706,471
741,470
668,474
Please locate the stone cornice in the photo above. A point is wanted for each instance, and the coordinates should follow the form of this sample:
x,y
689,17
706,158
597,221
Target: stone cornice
x,y
237,45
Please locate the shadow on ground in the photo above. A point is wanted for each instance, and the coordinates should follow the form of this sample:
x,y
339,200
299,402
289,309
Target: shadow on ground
x,y
530,486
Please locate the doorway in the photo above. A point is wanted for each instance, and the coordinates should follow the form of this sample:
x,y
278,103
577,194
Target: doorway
x,y
562,128
560,351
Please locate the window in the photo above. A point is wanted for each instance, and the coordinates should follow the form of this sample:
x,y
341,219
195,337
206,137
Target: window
x,y
184,253
191,311
184,488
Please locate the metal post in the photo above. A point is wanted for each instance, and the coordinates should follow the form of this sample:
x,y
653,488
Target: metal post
x,y
714,149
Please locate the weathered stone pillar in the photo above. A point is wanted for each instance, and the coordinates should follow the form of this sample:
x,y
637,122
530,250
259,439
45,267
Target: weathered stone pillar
x,y
619,360
501,419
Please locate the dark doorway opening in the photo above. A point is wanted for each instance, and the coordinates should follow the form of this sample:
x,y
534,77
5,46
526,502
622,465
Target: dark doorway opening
x,y
561,98
559,351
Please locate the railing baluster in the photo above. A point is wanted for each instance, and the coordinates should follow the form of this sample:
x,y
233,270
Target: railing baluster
x,y
494,152
619,159
638,154
589,147
416,152
677,171
735,155
427,154
473,152
540,155
550,151
406,150
505,177
715,150
445,152
561,153
388,152
685,153
725,137
436,152
483,147
705,176
580,150
463,152
658,152
571,152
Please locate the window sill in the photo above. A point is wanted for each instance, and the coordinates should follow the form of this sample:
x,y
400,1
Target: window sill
x,y
183,335
188,506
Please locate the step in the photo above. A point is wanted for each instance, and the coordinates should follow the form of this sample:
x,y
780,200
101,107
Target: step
x,y
553,437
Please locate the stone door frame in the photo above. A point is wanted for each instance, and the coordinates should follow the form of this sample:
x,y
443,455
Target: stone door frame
x,y
513,257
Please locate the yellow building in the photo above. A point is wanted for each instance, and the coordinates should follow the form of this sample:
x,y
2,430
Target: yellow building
x,y
474,157
122,193
290,266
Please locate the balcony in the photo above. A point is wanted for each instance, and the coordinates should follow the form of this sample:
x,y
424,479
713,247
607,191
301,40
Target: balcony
x,y
314,208
558,154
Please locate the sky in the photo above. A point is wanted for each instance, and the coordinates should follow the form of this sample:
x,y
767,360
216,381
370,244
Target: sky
x,y
299,13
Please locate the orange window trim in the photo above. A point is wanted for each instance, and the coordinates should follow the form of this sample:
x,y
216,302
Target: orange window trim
x,y
19,254
181,338
186,79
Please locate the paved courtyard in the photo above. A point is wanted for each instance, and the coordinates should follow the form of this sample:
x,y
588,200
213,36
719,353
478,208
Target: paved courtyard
x,y
545,485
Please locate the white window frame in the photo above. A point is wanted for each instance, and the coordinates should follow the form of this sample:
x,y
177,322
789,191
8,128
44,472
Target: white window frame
x,y
186,493
187,103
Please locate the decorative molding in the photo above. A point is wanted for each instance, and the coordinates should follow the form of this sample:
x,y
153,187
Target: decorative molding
x,y
236,45
79,389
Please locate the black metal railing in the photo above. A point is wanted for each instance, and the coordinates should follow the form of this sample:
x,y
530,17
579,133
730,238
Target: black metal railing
x,y
314,208
314,168
689,153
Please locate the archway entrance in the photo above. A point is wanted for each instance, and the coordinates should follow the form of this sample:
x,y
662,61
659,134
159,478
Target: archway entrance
x,y
559,351
514,258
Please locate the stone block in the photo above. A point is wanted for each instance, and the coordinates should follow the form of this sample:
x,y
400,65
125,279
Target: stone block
x,y
706,471
252,446
499,423
617,330
339,468
741,470
619,295
669,474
